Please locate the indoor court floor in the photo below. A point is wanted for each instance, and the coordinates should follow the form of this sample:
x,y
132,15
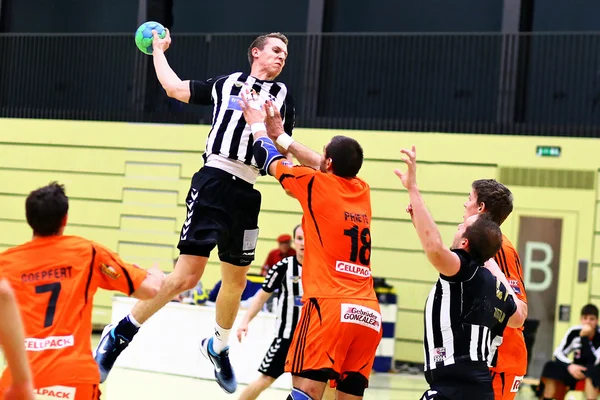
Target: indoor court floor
x,y
127,384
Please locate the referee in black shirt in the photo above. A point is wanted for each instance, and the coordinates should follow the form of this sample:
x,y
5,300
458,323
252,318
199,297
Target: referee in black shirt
x,y
222,205
467,308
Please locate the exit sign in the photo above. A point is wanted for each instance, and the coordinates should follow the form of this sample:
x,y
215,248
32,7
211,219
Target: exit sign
x,y
547,151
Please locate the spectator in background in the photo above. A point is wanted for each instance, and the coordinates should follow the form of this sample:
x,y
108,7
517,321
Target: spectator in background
x,y
561,374
283,250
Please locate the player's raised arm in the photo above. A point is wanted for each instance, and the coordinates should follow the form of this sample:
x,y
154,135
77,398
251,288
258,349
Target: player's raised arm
x,y
12,337
265,152
283,140
444,260
173,85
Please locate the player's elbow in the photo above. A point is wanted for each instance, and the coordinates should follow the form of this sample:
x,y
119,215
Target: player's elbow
x,y
149,288
6,292
179,91
439,257
517,319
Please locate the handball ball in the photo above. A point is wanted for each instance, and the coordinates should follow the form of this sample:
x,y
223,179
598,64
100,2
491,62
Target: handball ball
x,y
199,295
143,35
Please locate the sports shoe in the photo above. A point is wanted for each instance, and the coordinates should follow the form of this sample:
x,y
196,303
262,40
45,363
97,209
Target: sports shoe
x,y
107,351
223,370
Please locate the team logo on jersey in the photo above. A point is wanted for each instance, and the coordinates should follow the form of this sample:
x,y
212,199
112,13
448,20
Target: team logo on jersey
x,y
238,84
56,392
516,384
352,269
355,314
295,279
439,354
109,271
514,284
49,343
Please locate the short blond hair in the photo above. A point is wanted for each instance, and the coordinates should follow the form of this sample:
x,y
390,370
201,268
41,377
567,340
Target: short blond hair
x,y
260,42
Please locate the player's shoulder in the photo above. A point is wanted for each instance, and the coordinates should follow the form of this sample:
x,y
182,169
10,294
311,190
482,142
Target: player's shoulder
x,y
49,244
508,249
573,331
507,244
283,263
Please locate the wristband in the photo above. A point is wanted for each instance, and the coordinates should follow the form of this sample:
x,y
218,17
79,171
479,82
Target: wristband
x,y
284,140
258,127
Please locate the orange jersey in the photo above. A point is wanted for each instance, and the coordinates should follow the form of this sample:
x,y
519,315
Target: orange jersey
x,y
512,353
336,224
54,279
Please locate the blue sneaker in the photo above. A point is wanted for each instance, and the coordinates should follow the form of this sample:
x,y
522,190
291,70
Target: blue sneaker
x,y
108,349
223,370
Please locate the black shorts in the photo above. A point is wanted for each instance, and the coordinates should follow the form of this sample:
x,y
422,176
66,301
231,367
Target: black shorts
x,y
274,362
459,381
221,210
559,371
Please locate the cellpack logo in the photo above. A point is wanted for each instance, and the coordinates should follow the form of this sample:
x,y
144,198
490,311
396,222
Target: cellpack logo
x,y
352,269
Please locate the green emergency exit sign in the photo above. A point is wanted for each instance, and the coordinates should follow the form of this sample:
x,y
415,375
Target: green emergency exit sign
x,y
547,151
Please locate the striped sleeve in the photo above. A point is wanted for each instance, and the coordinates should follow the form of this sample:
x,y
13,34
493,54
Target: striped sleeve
x,y
566,345
275,276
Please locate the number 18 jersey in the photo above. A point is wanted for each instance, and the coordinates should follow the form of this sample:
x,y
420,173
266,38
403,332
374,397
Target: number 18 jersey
x,y
337,237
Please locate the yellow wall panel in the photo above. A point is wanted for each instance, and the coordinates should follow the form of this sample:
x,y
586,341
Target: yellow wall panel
x,y
150,197
144,223
128,184
402,234
409,325
409,351
412,295
399,265
595,278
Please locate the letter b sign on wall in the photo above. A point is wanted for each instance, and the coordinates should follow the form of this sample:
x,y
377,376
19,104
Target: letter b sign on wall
x,y
539,249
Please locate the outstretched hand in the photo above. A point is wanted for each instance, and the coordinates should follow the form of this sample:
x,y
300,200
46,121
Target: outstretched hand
x,y
408,178
273,121
253,111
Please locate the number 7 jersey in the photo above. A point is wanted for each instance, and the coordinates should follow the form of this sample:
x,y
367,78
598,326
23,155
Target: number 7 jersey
x,y
337,227
54,279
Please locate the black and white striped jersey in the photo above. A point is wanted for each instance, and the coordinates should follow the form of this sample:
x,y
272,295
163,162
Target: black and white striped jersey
x,y
465,316
286,276
585,351
229,143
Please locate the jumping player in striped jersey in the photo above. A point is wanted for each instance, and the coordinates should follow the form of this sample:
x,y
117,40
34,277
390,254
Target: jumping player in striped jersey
x,y
222,205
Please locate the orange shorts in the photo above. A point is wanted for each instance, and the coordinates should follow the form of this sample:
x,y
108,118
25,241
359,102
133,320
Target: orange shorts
x,y
505,385
71,392
338,336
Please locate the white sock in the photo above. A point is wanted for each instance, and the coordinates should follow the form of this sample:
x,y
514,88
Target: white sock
x,y
220,338
133,321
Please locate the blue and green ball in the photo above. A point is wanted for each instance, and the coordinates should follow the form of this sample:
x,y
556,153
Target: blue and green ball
x,y
144,38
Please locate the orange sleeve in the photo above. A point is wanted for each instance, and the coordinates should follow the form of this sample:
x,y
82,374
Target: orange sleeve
x,y
115,274
295,179
509,262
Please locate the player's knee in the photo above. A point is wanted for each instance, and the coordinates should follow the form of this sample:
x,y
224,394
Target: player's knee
x,y
265,381
353,383
181,281
234,285
298,394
